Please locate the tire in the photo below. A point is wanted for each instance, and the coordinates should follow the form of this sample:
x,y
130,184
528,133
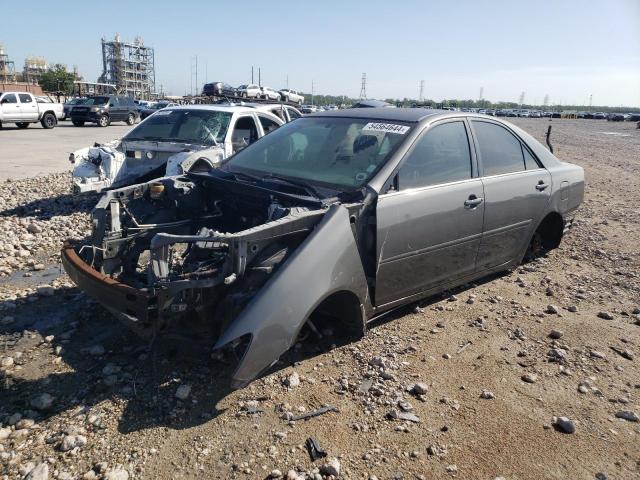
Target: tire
x,y
78,123
103,121
48,120
131,119
22,124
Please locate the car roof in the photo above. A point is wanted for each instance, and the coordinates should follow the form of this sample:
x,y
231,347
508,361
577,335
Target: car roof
x,y
384,113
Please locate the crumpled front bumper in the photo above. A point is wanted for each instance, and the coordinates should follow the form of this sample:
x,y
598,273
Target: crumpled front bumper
x,y
127,303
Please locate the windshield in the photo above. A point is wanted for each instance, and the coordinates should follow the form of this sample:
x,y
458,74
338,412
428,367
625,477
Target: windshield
x,y
96,101
342,152
203,127
75,101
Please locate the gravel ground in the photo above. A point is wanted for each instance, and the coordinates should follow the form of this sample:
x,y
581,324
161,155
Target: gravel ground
x,y
531,374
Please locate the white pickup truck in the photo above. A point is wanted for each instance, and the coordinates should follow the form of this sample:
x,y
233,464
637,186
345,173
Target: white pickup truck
x,y
22,108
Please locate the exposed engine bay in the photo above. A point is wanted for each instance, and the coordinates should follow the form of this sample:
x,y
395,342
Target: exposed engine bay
x,y
191,245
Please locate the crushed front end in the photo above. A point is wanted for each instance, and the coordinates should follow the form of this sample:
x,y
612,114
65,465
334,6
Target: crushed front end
x,y
186,249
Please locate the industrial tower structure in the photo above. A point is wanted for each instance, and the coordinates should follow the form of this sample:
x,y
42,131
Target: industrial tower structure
x,y
34,67
363,87
129,66
7,68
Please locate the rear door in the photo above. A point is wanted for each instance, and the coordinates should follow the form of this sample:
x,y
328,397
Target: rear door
x,y
28,108
10,108
429,229
516,190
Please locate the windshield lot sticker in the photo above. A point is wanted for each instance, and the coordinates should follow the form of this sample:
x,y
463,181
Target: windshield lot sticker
x,y
386,127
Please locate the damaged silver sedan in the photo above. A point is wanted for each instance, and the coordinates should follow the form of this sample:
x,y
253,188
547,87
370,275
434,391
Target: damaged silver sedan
x,y
337,217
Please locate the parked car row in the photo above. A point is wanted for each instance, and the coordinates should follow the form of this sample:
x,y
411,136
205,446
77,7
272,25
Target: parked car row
x,y
252,90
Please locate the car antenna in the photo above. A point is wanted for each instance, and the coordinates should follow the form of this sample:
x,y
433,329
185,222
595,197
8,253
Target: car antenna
x,y
548,137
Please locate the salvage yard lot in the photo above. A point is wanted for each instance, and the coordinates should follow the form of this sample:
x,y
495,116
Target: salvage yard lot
x,y
102,400
36,151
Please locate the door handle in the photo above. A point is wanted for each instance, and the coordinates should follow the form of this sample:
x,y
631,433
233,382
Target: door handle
x,y
541,186
473,201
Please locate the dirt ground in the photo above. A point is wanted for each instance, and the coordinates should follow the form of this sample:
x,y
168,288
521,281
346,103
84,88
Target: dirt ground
x,y
491,375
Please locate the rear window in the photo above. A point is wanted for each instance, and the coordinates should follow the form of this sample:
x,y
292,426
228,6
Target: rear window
x,y
500,150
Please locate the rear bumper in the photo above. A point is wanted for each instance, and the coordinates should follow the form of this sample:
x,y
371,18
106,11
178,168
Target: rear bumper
x,y
128,303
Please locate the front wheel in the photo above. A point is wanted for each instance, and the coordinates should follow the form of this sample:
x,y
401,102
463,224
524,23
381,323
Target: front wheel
x,y
22,124
48,120
103,121
131,119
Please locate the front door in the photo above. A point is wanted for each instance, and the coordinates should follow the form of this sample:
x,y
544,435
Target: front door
x,y
10,108
429,228
516,190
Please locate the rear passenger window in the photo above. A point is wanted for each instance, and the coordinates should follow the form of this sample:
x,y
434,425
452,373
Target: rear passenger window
x,y
500,151
293,114
24,98
529,161
440,156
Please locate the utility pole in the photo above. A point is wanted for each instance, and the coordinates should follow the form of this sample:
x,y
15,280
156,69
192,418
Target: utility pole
x,y
481,93
312,91
421,96
197,88
363,87
546,100
521,98
251,73
259,78
590,100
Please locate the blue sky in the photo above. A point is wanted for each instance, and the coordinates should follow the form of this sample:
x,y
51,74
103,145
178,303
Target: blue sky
x,y
567,49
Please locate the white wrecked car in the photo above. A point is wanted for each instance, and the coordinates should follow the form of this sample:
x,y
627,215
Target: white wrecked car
x,y
172,141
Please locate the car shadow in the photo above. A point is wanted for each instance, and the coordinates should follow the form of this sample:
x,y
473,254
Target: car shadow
x,y
98,363
48,207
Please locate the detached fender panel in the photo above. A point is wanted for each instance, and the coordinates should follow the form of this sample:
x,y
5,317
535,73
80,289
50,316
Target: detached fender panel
x,y
326,262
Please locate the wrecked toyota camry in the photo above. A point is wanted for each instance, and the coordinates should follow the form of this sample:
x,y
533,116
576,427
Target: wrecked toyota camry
x,y
337,217
172,141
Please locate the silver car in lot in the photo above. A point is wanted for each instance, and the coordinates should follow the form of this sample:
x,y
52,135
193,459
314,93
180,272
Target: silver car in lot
x,y
328,221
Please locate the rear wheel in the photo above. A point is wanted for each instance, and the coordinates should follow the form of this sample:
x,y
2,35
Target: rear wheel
x,y
103,121
22,124
131,119
78,123
48,120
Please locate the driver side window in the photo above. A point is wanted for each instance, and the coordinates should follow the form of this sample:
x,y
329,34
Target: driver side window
x,y
244,133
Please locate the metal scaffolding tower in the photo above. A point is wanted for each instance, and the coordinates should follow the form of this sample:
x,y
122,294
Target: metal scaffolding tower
x,y
7,68
129,66
363,88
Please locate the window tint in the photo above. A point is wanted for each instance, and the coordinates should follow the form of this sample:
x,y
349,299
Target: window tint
x,y
529,161
500,151
24,98
441,155
11,98
268,125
